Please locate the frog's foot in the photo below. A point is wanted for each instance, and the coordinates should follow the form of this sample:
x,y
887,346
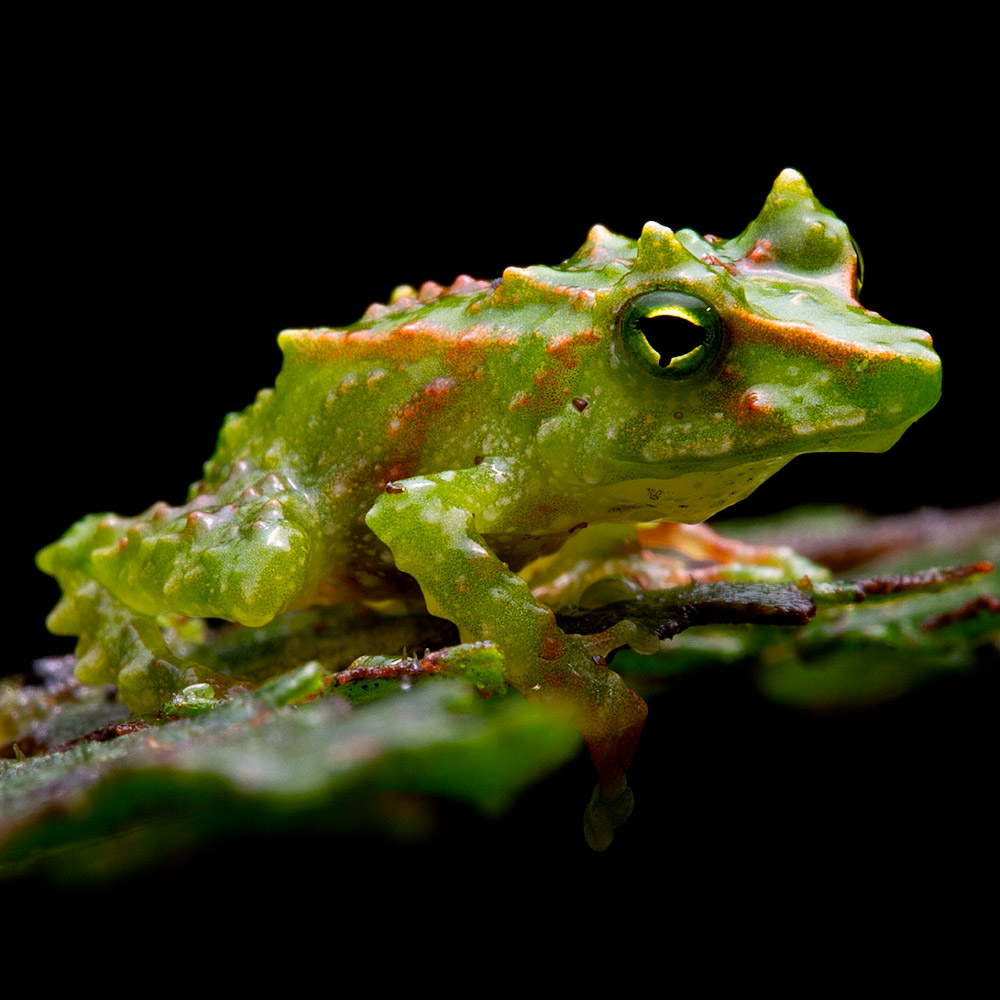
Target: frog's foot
x,y
608,714
612,740
118,647
603,816
606,711
729,559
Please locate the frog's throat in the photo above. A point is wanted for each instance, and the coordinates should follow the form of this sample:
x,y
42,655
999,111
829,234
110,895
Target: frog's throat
x,y
689,497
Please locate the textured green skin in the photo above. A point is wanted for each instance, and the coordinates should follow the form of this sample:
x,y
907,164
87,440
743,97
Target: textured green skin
x,y
455,435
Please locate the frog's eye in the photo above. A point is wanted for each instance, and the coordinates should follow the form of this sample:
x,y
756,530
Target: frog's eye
x,y
672,334
859,273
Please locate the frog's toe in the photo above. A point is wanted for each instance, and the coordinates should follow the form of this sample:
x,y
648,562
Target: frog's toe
x,y
603,816
146,682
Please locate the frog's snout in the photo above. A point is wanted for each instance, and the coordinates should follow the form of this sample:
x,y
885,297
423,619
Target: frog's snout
x,y
901,390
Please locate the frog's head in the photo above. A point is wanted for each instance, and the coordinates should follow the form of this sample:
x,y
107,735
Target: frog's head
x,y
726,358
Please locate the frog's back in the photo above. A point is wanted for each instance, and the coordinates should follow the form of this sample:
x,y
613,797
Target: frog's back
x,y
428,383
418,386
434,381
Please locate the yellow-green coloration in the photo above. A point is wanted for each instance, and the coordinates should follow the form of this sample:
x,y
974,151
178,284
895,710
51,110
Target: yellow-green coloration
x,y
429,451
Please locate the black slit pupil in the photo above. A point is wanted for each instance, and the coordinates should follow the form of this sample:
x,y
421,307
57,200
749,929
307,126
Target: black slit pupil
x,y
671,336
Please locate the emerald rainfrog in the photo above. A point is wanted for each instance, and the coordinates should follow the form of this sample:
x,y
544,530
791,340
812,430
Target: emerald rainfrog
x,y
429,451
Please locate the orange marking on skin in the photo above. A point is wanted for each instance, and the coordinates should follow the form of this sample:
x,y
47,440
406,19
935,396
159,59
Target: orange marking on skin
x,y
714,261
699,541
551,647
749,406
551,390
761,252
386,474
419,408
409,342
410,425
465,284
803,340
465,358
566,349
552,386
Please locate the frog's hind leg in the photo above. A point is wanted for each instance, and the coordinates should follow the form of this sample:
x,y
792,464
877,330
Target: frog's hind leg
x,y
243,560
116,646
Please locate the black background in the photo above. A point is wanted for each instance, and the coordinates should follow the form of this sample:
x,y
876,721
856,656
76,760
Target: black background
x,y
169,225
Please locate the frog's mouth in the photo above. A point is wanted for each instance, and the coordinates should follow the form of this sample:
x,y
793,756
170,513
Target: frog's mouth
x,y
772,420
871,441
779,444
703,489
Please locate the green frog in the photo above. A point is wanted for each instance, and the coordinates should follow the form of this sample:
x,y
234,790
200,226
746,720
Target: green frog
x,y
423,456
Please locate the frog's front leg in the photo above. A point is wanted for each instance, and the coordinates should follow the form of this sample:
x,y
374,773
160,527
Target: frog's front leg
x,y
434,527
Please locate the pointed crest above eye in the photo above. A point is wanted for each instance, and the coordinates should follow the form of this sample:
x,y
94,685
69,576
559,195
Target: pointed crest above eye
x,y
601,246
797,232
660,249
790,184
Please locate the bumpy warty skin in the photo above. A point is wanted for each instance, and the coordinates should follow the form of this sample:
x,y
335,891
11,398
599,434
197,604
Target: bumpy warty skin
x,y
431,449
